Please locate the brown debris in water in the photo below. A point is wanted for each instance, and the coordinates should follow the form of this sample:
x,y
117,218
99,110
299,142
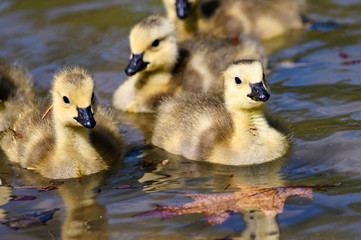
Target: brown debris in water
x,y
344,55
52,235
29,220
53,186
22,198
219,207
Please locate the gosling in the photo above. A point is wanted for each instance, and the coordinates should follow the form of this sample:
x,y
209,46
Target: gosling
x,y
263,18
231,131
16,89
159,68
62,145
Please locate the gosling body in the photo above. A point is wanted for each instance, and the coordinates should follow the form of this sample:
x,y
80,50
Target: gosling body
x,y
160,67
265,19
69,142
16,89
228,130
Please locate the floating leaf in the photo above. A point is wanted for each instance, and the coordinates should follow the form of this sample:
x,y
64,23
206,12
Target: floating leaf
x,y
37,218
47,189
53,185
219,207
351,62
343,55
52,235
22,198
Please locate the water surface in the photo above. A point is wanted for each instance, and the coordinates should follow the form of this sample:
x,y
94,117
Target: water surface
x,y
319,101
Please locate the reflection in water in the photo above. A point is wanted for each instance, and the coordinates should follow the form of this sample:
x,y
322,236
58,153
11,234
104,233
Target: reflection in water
x,y
259,204
5,193
85,218
260,226
181,173
274,45
140,125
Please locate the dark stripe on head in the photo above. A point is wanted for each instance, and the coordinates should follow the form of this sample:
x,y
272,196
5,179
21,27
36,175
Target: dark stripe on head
x,y
74,78
151,22
74,75
244,61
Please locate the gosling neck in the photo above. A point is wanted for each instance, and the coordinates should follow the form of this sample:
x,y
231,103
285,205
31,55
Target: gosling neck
x,y
70,136
158,77
258,111
188,27
249,116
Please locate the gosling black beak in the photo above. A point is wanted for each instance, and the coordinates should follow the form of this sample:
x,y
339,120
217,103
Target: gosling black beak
x,y
85,117
136,64
259,93
183,8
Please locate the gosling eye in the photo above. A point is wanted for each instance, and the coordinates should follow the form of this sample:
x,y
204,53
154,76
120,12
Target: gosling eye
x,y
237,80
66,100
155,43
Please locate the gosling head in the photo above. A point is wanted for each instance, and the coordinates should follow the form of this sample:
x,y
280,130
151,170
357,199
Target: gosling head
x,y
153,46
73,98
244,85
181,7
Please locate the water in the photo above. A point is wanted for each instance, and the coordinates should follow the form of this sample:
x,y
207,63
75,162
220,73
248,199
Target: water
x,y
319,102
